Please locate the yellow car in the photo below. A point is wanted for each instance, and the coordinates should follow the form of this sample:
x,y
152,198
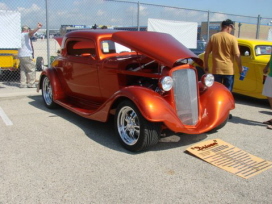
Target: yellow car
x,y
254,54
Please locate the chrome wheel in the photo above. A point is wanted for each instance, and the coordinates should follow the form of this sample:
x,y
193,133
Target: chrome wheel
x,y
134,131
47,93
128,125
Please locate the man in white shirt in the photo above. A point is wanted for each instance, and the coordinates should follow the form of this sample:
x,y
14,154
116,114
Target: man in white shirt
x,y
27,65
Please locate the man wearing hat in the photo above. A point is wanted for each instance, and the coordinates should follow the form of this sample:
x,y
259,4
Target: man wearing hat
x,y
25,54
225,51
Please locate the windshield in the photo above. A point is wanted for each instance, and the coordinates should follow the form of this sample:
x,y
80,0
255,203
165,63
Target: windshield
x,y
263,50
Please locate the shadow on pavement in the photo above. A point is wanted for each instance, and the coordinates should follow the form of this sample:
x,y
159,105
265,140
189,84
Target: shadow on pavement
x,y
103,133
239,120
249,101
245,100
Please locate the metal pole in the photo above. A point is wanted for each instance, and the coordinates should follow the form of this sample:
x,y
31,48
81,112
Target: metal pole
x,y
208,26
239,31
47,34
258,27
138,17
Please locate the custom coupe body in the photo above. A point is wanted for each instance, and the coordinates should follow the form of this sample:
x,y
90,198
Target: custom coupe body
x,y
142,78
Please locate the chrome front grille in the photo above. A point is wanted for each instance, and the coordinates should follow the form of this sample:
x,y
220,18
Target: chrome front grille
x,y
185,94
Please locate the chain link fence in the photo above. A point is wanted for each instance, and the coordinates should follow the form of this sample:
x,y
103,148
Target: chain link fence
x,y
59,17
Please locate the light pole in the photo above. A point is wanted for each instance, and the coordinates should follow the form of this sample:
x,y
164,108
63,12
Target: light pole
x,y
239,26
47,34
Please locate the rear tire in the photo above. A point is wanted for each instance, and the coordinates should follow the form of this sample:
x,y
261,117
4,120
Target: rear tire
x,y
135,133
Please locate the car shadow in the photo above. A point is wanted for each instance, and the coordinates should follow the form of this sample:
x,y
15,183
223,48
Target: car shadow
x,y
249,101
174,140
246,100
239,120
103,133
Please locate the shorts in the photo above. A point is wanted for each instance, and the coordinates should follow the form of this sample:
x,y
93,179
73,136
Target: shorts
x,y
267,89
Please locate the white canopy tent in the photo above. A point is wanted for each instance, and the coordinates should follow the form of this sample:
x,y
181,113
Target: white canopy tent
x,y
10,26
184,32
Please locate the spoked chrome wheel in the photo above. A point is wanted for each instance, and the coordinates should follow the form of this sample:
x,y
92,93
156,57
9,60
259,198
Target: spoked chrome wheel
x,y
134,131
47,93
128,125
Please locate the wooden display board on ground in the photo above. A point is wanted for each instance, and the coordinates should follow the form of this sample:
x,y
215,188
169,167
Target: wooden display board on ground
x,y
230,158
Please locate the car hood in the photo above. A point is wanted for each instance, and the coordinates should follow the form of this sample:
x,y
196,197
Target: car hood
x,y
159,46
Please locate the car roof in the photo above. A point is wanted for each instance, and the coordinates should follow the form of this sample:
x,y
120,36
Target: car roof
x,y
91,33
254,42
86,33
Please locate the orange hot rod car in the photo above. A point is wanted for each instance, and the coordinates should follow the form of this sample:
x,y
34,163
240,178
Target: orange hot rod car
x,y
142,78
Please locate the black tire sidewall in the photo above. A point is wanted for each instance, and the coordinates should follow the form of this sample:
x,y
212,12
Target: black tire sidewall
x,y
141,144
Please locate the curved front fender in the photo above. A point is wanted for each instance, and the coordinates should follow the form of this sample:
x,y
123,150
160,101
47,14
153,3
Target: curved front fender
x,y
215,105
152,105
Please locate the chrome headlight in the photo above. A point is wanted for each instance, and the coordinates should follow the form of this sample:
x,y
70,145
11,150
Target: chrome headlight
x,y
207,80
166,83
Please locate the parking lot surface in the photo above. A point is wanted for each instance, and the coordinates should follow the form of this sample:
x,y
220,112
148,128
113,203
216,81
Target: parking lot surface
x,y
55,156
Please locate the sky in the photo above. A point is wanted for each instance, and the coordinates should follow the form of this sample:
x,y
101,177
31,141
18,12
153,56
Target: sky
x,y
118,13
241,7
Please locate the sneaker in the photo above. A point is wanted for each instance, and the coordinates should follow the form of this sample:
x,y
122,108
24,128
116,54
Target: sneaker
x,y
230,116
31,86
269,122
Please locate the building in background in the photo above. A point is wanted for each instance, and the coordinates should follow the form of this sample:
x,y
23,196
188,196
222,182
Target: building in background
x,y
67,28
245,30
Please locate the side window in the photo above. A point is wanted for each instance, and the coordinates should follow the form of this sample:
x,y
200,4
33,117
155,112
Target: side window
x,y
108,47
263,50
81,48
244,51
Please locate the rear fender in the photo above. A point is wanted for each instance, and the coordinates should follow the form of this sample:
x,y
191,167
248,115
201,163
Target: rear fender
x,y
55,83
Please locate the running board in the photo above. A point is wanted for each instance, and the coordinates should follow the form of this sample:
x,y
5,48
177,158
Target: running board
x,y
78,110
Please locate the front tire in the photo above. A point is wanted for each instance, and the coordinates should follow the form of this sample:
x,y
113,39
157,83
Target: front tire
x,y
47,93
219,126
135,132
